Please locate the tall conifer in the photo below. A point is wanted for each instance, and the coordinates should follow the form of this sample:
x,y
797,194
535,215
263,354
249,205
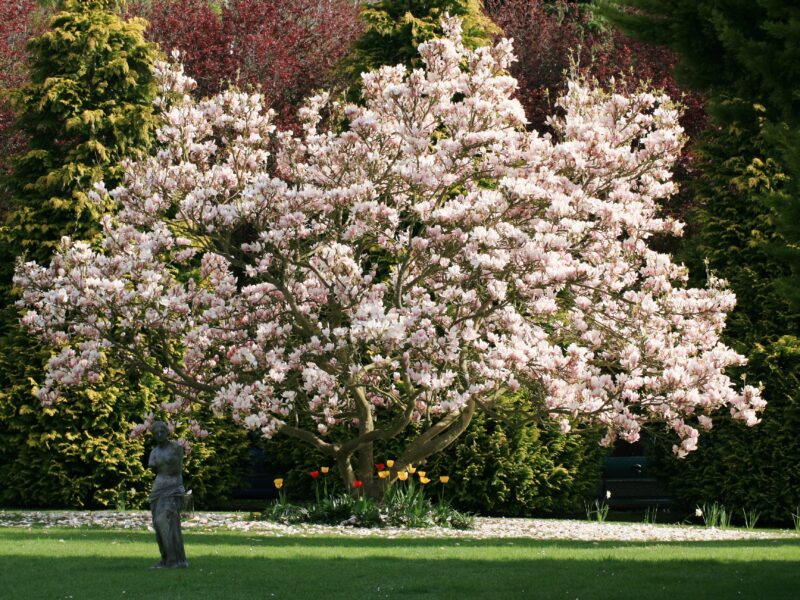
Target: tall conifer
x,y
86,106
744,57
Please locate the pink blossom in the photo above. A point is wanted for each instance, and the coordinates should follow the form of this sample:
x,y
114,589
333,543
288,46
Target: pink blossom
x,y
430,258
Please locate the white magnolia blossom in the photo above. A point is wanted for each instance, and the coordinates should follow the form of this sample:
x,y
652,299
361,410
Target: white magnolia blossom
x,y
414,258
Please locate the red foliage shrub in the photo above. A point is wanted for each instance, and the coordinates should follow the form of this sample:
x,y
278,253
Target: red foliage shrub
x,y
288,48
545,37
196,30
551,35
548,35
16,26
644,62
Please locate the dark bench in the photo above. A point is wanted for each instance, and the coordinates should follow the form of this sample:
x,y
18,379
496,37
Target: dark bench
x,y
632,483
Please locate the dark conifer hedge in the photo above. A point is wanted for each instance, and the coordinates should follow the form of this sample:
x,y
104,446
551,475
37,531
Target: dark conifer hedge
x,y
743,56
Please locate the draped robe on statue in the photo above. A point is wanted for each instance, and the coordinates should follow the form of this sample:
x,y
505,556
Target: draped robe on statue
x,y
165,503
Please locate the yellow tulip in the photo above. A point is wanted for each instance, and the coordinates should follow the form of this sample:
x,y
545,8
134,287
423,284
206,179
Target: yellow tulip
x,y
421,474
390,463
424,480
383,474
325,470
444,478
402,475
411,469
278,483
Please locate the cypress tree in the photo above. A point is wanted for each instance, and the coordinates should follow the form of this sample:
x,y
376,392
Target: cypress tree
x,y
726,49
744,56
87,105
737,231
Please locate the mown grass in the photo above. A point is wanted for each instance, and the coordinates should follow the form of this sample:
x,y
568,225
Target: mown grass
x,y
92,563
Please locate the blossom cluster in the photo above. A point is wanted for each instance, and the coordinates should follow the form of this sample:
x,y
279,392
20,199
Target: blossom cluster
x,y
411,258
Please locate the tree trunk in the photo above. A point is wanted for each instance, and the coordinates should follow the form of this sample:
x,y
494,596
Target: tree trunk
x,y
345,467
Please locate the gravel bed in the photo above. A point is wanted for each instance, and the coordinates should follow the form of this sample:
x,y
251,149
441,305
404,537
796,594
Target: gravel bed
x,y
537,529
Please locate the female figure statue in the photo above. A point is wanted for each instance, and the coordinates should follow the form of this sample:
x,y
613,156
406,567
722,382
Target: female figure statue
x,y
166,459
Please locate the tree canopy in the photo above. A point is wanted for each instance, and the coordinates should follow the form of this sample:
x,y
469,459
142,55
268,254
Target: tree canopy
x,y
413,266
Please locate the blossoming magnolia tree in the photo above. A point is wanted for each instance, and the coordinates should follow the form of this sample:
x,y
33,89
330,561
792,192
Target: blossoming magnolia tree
x,y
409,260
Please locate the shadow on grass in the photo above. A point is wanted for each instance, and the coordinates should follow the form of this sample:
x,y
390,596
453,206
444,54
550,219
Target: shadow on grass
x,y
91,563
217,539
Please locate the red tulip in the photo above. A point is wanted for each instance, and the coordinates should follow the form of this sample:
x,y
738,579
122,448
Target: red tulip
x,y
380,466
314,474
357,483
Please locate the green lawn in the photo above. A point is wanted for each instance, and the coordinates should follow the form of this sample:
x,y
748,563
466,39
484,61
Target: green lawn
x,y
93,563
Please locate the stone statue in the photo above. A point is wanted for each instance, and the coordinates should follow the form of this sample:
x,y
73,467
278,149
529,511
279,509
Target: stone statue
x,y
166,459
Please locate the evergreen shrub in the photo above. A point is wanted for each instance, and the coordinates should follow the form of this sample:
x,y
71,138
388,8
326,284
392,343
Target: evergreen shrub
x,y
87,104
737,229
519,469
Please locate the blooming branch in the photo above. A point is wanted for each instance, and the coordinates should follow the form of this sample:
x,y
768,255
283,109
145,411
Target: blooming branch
x,y
411,259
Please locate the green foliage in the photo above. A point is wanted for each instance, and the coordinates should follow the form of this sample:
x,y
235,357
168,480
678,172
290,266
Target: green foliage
x,y
738,230
517,469
750,517
497,466
596,510
731,49
406,505
77,453
88,104
217,464
716,515
743,55
395,28
787,206
293,461
757,469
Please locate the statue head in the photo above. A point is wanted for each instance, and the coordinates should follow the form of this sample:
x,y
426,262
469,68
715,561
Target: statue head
x,y
160,432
